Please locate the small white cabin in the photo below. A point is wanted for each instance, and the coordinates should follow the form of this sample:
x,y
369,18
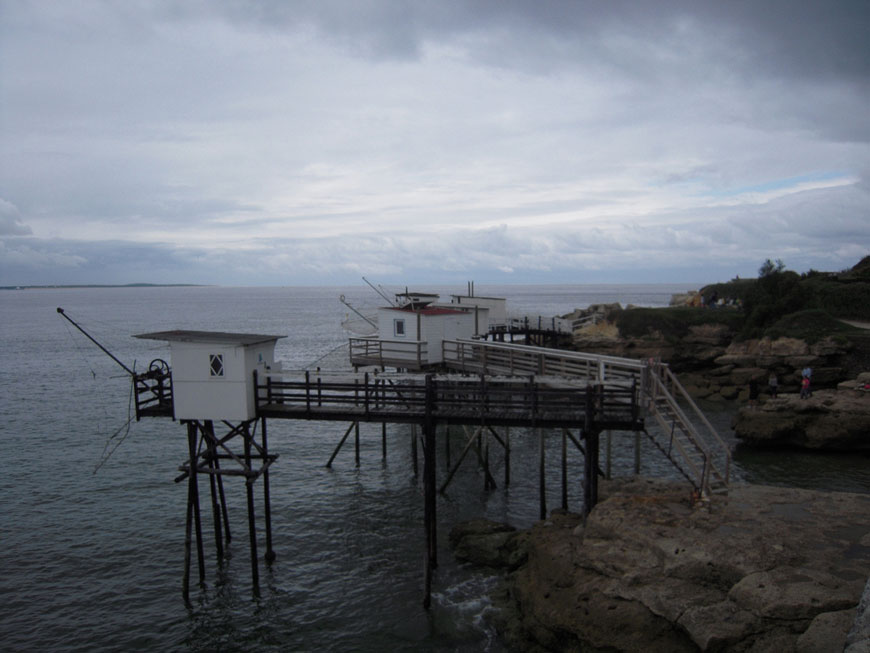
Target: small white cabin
x,y
213,372
411,338
496,307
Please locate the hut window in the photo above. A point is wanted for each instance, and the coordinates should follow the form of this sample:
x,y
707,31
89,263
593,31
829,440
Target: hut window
x,y
399,327
216,364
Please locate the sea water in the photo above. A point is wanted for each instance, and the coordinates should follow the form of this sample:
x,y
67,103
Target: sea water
x,y
92,524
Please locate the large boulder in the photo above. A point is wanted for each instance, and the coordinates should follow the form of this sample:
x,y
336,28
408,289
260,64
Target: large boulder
x,y
836,420
487,543
762,569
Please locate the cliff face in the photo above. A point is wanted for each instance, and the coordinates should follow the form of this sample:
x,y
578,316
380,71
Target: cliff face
x,y
763,569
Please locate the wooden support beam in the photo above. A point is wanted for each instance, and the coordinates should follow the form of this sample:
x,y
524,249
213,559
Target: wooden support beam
x,y
215,508
507,456
188,527
340,443
252,526
414,449
447,445
542,483
356,443
193,495
564,469
488,481
637,453
590,467
429,462
452,471
267,507
483,458
223,500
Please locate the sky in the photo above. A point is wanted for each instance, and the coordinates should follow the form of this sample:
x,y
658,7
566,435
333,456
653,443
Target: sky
x,y
314,142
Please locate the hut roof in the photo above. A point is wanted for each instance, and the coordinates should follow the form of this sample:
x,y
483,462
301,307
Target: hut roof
x,y
208,337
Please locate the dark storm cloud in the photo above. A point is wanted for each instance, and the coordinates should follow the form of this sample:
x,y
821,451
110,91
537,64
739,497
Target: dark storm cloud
x,y
812,38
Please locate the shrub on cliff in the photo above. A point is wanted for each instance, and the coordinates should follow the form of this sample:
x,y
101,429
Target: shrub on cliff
x,y
672,323
774,294
843,294
779,303
811,325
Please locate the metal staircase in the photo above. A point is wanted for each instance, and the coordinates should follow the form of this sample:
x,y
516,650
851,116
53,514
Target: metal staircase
x,y
693,446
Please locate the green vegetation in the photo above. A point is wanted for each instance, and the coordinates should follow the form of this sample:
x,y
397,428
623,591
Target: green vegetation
x,y
782,303
811,325
779,303
673,323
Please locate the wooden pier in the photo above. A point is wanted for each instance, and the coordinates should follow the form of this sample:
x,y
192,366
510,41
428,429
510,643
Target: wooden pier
x,y
233,379
480,385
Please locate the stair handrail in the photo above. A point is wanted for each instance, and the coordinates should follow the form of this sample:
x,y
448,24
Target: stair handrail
x,y
686,427
663,376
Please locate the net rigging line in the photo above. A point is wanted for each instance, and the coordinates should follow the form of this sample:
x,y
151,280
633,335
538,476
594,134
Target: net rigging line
x,y
327,355
125,428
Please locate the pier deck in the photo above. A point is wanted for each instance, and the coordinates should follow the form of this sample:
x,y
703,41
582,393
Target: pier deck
x,y
453,399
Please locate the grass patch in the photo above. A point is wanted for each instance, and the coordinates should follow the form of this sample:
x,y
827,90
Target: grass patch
x,y
674,322
810,325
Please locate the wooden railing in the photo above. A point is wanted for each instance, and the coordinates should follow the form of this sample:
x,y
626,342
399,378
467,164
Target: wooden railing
x,y
533,323
408,354
451,399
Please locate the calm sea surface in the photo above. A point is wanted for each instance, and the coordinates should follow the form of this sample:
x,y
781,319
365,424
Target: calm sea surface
x,y
92,545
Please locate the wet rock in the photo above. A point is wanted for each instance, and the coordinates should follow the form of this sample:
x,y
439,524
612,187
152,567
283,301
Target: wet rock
x,y
488,543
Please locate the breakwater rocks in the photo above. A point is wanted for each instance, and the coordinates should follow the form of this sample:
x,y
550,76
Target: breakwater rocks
x,y
833,420
762,569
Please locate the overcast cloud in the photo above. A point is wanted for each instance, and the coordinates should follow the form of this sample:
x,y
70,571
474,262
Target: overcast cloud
x,y
272,142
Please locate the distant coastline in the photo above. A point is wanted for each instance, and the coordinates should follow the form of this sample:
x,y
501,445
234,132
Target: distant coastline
x,y
105,285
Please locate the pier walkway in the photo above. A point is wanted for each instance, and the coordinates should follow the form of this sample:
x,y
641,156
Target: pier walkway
x,y
668,416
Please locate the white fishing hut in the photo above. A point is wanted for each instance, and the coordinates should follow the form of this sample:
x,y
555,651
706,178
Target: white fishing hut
x,y
213,372
495,310
415,334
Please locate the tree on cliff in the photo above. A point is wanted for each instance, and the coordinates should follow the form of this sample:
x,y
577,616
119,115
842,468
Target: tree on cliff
x,y
776,293
769,267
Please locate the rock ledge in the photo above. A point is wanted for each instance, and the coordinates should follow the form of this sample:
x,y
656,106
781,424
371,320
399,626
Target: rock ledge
x,y
764,569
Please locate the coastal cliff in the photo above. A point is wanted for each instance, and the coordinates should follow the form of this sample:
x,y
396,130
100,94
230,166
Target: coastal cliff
x,y
762,569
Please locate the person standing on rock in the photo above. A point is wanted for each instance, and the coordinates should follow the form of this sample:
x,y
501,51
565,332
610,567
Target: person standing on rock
x,y
773,385
805,388
753,392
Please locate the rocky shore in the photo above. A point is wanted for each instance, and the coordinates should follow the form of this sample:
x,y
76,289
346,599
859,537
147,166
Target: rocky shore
x,y
763,569
713,365
833,420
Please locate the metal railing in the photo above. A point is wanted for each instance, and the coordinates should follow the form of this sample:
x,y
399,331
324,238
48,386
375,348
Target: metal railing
x,y
152,392
481,357
701,448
